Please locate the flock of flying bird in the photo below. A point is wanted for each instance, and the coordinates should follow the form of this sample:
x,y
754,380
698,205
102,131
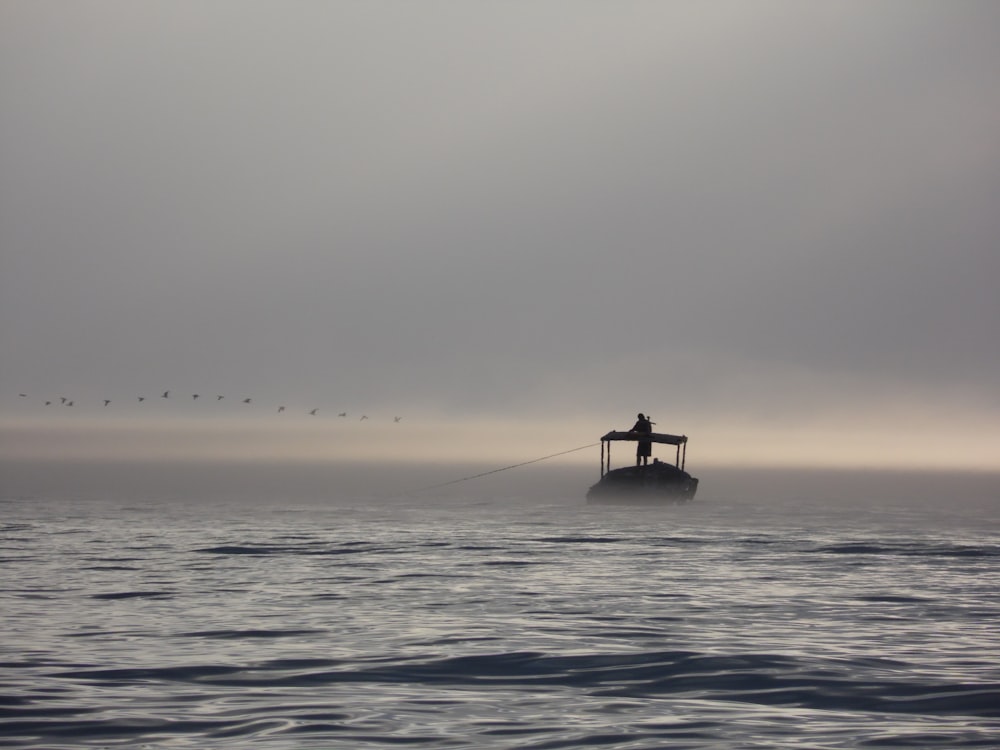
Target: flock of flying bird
x,y
64,401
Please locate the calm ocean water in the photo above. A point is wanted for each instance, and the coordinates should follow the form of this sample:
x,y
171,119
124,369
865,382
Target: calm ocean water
x,y
807,614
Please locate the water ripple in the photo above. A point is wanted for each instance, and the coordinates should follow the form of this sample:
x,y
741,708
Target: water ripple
x,y
517,628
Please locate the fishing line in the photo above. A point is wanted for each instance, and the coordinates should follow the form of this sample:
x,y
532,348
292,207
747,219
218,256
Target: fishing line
x,y
504,468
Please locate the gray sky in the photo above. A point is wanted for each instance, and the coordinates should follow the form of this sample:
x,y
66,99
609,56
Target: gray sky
x,y
772,225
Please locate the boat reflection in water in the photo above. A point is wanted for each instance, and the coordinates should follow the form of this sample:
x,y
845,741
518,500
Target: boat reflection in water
x,y
655,483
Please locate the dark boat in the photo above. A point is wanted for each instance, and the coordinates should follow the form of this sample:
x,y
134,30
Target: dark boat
x,y
658,482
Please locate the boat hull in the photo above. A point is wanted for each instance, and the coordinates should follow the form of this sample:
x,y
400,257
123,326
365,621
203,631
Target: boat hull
x,y
658,483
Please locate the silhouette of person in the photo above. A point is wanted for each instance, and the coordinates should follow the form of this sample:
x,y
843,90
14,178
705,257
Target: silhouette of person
x,y
643,448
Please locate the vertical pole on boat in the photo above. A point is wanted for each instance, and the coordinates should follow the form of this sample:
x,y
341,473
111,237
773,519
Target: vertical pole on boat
x,y
677,459
602,459
684,455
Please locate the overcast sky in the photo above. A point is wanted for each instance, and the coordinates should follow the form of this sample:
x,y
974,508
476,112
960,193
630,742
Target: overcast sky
x,y
772,225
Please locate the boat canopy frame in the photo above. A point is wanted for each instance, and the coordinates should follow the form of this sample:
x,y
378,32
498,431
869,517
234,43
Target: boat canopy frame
x,y
646,437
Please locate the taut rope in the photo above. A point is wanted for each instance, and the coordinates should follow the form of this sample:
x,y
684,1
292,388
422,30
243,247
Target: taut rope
x,y
504,468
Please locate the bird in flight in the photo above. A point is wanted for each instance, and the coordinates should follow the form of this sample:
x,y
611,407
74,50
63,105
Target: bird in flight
x,y
141,399
281,409
342,414
23,395
166,394
107,401
63,399
363,417
396,419
246,401
195,396
219,398
313,412
48,403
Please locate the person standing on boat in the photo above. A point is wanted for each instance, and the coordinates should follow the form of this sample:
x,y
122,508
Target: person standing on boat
x,y
643,448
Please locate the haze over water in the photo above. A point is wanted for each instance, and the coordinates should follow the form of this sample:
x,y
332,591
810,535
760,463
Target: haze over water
x,y
485,233
770,225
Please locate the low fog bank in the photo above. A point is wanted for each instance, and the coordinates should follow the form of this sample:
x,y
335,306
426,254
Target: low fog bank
x,y
285,481
281,483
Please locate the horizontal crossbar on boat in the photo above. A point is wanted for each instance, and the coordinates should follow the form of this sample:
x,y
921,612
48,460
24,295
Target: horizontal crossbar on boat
x,y
648,437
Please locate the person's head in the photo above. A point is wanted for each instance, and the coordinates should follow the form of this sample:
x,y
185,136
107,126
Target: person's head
x,y
640,416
